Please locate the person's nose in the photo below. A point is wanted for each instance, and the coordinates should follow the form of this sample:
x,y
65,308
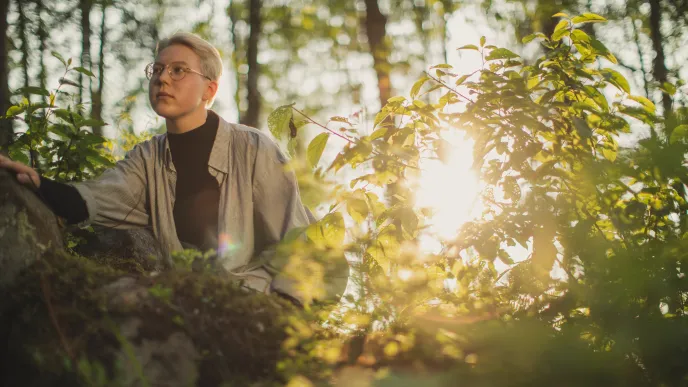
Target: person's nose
x,y
164,77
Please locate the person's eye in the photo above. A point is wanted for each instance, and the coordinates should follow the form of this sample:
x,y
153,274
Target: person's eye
x,y
178,70
157,69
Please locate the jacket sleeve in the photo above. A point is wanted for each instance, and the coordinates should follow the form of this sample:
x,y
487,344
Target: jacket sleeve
x,y
117,198
277,210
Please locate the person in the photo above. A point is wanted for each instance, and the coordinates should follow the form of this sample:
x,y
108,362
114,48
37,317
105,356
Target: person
x,y
205,183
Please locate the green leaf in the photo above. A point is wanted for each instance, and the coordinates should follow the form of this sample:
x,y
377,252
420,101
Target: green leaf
x,y
679,134
357,207
59,130
602,50
98,159
582,127
328,231
462,79
91,122
482,41
597,96
316,148
561,27
668,88
417,86
59,57
501,53
380,116
578,36
469,47
615,78
378,133
278,120
14,110
647,104
33,90
84,71
531,37
588,18
609,154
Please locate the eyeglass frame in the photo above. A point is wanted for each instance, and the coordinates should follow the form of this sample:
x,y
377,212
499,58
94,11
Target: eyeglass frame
x,y
169,71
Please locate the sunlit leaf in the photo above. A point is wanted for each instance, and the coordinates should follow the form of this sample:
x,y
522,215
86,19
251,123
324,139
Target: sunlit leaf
x,y
501,53
560,29
588,18
647,104
328,231
618,80
469,47
316,148
15,110
417,86
278,120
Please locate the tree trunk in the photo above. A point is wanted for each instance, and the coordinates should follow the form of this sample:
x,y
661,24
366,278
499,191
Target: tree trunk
x,y
253,111
85,7
42,39
6,131
659,69
232,13
24,48
376,29
97,106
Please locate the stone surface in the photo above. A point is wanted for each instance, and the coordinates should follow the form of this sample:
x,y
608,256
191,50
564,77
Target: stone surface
x,y
137,246
27,228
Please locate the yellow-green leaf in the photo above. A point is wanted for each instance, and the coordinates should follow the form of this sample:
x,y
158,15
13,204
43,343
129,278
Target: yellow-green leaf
x,y
328,231
678,134
560,14
615,78
588,18
316,148
469,47
501,53
416,86
559,29
278,120
647,104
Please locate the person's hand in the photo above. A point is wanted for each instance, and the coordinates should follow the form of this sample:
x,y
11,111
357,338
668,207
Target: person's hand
x,y
25,174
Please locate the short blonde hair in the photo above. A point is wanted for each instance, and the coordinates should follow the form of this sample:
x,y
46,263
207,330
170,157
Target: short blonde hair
x,y
211,61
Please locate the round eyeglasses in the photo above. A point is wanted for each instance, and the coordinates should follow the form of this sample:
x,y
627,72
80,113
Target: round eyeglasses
x,y
177,70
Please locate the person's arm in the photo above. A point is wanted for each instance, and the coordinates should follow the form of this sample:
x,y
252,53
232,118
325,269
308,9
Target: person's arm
x,y
64,200
277,210
117,198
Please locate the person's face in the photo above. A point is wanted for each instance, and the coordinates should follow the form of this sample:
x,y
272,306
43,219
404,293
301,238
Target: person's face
x,y
171,98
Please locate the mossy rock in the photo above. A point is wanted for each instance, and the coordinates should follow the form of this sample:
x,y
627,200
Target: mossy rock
x,y
71,321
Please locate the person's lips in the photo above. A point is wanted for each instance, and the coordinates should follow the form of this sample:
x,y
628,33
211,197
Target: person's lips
x,y
162,94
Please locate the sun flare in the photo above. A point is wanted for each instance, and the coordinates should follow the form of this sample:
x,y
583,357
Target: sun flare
x,y
450,189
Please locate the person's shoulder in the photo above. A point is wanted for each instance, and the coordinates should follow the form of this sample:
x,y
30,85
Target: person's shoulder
x,y
256,140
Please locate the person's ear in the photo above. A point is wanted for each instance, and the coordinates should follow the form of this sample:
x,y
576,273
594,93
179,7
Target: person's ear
x,y
210,91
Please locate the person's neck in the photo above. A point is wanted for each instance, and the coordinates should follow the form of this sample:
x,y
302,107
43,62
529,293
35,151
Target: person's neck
x,y
187,122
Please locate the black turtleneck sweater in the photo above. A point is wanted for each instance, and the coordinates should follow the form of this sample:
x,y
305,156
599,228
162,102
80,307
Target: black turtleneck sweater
x,y
197,195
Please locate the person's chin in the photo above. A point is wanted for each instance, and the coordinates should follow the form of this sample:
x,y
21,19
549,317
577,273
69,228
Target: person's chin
x,y
165,110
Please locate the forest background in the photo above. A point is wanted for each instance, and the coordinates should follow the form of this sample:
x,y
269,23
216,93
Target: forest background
x,y
601,260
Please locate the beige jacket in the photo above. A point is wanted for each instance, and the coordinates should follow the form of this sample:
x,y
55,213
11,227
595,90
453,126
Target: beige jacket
x,y
259,201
